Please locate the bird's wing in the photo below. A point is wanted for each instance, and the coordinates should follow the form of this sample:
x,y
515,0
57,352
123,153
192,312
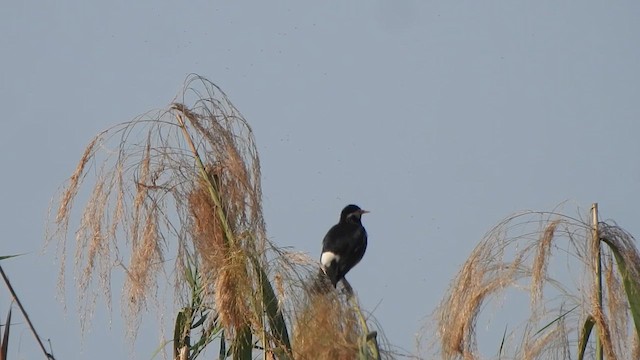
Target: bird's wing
x,y
355,251
349,242
337,240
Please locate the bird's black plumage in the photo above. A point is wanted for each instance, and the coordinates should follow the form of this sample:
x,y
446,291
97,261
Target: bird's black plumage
x,y
344,245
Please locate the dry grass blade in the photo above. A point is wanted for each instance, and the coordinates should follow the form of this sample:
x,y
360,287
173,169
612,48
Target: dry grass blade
x,y
331,325
541,262
326,328
481,276
70,192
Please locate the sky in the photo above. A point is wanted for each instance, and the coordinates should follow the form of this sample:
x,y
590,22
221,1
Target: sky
x,y
439,117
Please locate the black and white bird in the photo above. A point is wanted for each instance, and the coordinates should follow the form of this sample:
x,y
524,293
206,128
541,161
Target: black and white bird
x,y
344,245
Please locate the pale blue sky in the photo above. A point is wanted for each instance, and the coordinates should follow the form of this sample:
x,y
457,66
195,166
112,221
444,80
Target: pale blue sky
x,y
439,117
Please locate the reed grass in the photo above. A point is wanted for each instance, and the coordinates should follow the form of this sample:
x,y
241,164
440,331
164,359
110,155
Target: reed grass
x,y
185,181
517,255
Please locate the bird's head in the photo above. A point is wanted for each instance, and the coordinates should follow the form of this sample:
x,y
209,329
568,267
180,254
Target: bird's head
x,y
351,213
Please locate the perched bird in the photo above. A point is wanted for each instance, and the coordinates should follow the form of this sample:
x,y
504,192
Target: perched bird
x,y
344,245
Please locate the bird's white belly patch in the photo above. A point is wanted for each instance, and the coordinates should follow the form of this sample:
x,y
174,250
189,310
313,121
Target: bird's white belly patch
x,y
327,258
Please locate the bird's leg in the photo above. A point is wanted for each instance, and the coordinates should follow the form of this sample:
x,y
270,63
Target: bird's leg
x,y
331,273
321,283
348,290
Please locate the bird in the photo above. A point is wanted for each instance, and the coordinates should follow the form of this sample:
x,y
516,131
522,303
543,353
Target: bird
x,y
344,245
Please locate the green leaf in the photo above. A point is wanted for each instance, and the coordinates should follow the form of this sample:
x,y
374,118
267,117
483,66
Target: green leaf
x,y
274,315
208,335
9,256
242,346
502,343
584,336
372,341
200,321
160,348
4,345
181,331
555,320
223,347
631,285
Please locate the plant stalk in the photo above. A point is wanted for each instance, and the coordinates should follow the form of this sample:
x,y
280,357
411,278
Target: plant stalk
x,y
598,255
210,185
24,313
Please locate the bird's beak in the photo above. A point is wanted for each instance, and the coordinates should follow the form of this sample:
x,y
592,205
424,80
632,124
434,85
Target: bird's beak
x,y
364,212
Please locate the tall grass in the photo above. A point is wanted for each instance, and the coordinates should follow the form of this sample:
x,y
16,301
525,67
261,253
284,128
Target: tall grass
x,y
582,279
185,181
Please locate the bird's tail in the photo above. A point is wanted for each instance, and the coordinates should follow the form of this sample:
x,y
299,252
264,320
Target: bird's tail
x,y
322,284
